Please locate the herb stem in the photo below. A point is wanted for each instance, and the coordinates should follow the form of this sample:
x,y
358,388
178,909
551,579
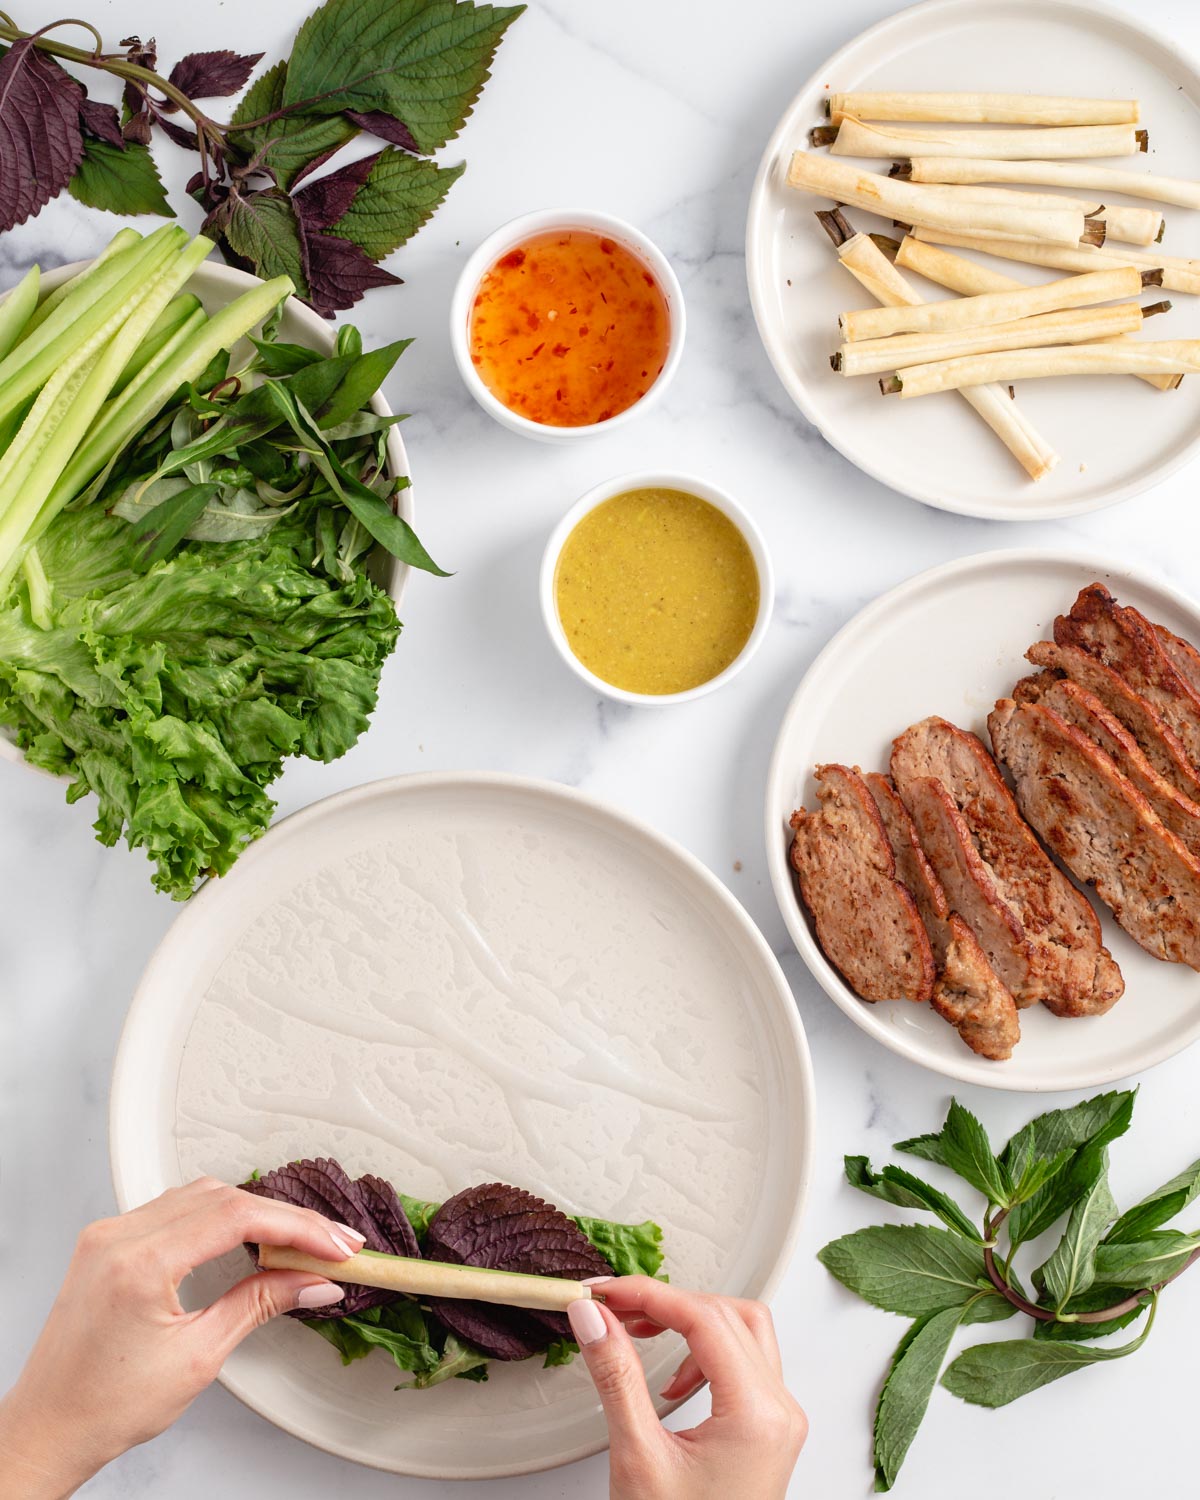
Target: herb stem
x,y
998,1278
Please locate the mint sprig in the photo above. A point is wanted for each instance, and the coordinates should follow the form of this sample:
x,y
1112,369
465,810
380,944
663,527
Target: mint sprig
x,y
1103,1274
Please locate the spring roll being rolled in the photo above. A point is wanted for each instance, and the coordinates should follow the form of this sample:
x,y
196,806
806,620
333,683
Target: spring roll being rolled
x,y
1082,176
853,137
1134,226
866,262
984,109
1178,274
995,307
939,207
969,279
1075,326
1173,357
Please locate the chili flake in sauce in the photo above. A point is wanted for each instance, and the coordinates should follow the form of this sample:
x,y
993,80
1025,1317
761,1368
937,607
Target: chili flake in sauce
x,y
569,328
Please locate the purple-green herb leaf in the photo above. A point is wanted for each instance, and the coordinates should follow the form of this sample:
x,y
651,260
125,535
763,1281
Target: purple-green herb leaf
x,y
40,140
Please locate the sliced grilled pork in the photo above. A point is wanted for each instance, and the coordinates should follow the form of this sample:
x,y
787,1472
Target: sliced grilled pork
x,y
967,992
1127,642
867,921
1081,708
1160,744
1184,656
1102,828
1069,969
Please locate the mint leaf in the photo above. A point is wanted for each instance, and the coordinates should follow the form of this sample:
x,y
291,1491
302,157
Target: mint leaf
x,y
995,1374
1157,1207
561,1352
292,146
1071,1268
121,180
262,229
895,1185
911,1269
1095,1299
1145,1262
40,143
927,1147
967,1151
1084,1129
1038,1172
399,195
907,1389
423,62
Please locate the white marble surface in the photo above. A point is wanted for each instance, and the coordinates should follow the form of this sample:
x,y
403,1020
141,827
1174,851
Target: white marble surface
x,y
655,110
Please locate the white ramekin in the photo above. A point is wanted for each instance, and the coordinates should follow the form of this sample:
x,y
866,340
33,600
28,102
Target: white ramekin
x,y
506,238
657,480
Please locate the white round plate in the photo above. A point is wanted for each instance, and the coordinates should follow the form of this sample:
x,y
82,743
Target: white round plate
x,y
450,979
1117,436
950,642
217,285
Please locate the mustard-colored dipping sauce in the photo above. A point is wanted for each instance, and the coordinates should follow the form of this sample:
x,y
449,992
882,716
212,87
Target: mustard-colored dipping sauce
x,y
657,591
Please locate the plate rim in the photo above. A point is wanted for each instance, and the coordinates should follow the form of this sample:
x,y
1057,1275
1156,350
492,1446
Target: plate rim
x,y
967,1068
756,238
800,1069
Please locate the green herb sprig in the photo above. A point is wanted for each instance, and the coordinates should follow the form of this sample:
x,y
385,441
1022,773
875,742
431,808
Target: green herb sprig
x,y
1107,1269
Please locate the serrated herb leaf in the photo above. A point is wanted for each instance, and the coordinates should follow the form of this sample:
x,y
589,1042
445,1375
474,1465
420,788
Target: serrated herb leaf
x,y
1157,1207
1145,1262
907,1389
967,1151
102,121
927,1147
423,64
210,75
995,1374
1071,1268
292,146
1095,1299
338,273
262,228
122,180
322,203
399,195
1038,1172
911,1269
40,143
1085,1129
894,1185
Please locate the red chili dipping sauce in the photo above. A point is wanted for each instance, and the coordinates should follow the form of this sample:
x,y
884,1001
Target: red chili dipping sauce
x,y
569,328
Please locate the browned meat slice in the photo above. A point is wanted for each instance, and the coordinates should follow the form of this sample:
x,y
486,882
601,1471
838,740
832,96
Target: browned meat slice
x,y
1184,656
1102,828
1127,642
867,921
1069,969
1160,744
1080,708
967,992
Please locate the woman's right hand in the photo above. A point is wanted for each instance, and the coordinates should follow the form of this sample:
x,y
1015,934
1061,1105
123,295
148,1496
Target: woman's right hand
x,y
749,1445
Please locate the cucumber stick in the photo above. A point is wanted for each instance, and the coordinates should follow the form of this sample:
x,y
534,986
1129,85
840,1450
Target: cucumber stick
x,y
122,240
17,308
176,313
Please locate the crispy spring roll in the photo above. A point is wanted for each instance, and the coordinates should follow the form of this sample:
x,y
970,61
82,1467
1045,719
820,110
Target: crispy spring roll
x,y
994,307
1077,326
812,173
866,262
1134,226
984,109
852,137
1082,176
1178,274
970,279
1178,357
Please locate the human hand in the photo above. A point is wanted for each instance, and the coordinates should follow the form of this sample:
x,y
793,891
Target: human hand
x,y
750,1443
119,1358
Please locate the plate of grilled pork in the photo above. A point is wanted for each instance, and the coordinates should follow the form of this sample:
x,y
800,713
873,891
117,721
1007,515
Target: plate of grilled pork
x,y
983,820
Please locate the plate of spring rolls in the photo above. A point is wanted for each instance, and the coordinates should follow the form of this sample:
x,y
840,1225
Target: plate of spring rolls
x,y
983,820
973,253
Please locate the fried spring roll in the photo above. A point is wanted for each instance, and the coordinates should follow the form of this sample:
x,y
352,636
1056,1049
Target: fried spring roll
x,y
867,263
1178,274
993,307
1078,326
1179,356
852,137
970,279
812,173
984,109
1134,226
1081,176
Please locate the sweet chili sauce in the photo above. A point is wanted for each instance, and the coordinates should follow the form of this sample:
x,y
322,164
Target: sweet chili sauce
x,y
569,328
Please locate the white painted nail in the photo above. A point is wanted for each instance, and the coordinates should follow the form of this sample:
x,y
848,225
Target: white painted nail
x,y
351,1234
587,1322
596,1280
321,1294
343,1249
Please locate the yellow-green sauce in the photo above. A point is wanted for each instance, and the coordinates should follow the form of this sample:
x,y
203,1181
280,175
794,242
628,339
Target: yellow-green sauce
x,y
657,591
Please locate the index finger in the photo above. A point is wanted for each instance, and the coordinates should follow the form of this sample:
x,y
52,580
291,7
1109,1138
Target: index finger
x,y
723,1349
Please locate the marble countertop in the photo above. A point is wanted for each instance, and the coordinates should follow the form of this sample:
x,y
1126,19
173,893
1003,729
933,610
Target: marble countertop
x,y
656,112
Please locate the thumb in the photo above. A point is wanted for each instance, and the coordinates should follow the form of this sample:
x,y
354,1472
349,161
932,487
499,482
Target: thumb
x,y
618,1376
261,1297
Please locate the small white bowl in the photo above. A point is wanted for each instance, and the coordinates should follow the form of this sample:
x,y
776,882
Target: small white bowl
x,y
508,237
657,480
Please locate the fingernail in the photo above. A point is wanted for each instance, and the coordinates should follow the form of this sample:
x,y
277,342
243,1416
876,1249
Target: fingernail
x,y
587,1322
352,1234
320,1294
344,1250
596,1280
